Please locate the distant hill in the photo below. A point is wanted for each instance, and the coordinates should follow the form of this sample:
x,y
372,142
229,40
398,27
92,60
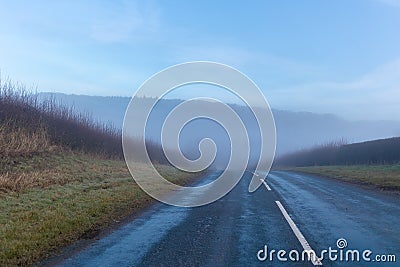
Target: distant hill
x,y
295,130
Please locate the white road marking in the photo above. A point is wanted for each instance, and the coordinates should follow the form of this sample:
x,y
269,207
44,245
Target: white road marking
x,y
262,180
266,185
299,235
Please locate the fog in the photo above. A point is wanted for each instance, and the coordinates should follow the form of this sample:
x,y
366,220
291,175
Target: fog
x,y
295,130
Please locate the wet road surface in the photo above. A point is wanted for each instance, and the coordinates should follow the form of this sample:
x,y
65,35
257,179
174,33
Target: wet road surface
x,y
232,230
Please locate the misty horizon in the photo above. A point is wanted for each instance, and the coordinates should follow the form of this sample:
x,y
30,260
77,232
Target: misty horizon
x,y
312,129
305,111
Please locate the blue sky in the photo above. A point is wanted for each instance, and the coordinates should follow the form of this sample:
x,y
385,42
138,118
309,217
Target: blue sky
x,y
340,57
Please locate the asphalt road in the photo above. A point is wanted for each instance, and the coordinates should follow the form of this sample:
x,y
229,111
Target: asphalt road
x,y
232,230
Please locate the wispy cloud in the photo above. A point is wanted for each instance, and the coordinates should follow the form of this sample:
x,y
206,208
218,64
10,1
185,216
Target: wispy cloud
x,y
242,58
124,22
373,95
80,21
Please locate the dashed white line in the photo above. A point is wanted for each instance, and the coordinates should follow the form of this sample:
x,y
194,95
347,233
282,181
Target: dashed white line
x,y
266,185
262,180
298,234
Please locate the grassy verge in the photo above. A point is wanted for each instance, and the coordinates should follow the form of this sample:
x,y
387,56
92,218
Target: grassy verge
x,y
382,176
47,202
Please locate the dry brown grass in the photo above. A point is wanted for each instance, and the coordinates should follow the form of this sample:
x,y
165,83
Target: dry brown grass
x,y
20,142
12,182
21,181
16,146
47,169
29,124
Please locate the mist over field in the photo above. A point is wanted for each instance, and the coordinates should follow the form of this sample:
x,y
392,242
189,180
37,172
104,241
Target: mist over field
x,y
295,130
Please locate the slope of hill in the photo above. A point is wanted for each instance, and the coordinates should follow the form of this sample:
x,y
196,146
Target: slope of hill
x,y
31,124
62,178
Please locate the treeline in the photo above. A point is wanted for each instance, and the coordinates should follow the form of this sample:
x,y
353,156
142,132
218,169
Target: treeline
x,y
29,126
24,119
384,151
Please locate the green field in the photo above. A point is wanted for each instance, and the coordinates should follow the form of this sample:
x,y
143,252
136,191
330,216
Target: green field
x,y
49,201
385,177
